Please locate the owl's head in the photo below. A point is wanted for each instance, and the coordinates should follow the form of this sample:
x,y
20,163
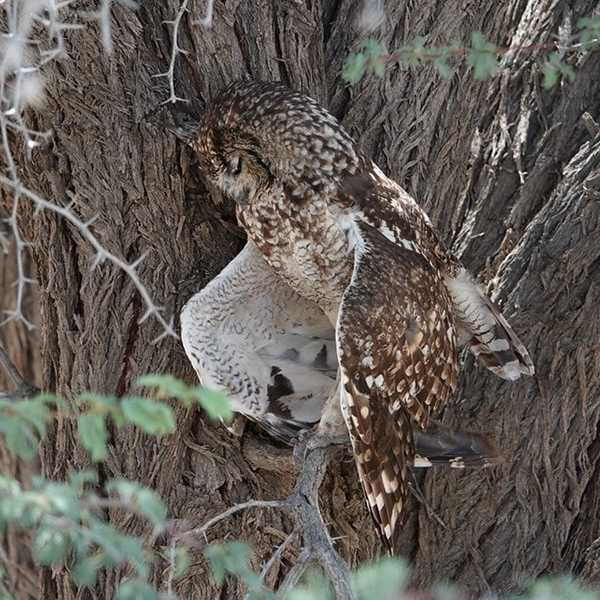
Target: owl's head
x,y
259,136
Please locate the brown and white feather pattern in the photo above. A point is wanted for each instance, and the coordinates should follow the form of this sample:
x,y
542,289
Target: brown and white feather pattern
x,y
397,350
352,243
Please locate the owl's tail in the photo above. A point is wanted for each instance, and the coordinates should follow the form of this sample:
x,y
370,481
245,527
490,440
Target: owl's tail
x,y
440,446
484,329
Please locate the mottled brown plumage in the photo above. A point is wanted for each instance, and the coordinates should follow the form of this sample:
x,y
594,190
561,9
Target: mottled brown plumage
x,y
353,245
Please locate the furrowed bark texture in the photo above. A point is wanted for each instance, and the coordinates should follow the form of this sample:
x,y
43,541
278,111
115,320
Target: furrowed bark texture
x,y
509,172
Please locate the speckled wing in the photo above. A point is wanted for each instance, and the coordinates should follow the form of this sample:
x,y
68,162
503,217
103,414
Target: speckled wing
x,y
396,345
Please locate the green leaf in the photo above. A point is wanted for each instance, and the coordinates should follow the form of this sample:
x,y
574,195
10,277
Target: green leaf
x,y
388,576
61,498
590,31
77,479
98,402
145,501
483,57
354,68
168,386
181,562
86,569
551,76
19,437
216,404
136,590
152,507
231,557
554,69
93,435
442,66
378,67
374,54
119,548
316,587
148,415
563,588
33,411
372,47
51,546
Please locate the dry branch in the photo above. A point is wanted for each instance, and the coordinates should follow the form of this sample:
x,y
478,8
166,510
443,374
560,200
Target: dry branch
x,y
303,504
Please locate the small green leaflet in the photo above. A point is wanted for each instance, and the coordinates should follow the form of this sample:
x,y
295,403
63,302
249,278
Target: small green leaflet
x,y
93,435
554,69
145,501
150,416
483,57
215,403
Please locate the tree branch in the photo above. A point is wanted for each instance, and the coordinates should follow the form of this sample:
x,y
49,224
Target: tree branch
x,y
101,252
303,503
201,531
175,50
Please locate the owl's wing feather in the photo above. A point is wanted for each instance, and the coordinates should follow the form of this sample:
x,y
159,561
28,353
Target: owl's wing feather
x,y
396,344
486,331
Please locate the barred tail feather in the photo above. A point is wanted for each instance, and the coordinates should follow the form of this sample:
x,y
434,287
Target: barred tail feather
x,y
486,331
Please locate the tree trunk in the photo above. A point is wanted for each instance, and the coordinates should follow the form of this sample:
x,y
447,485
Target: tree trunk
x,y
510,174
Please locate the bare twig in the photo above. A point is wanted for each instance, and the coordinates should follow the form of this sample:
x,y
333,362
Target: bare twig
x,y
175,50
101,252
9,367
201,531
277,554
308,516
303,503
20,86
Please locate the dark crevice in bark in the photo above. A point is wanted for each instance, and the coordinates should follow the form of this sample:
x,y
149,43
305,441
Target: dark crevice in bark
x,y
330,10
279,58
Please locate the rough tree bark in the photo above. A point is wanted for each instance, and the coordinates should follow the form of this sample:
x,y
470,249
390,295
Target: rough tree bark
x,y
509,172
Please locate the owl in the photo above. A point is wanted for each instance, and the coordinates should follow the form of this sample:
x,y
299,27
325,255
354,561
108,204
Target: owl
x,y
344,311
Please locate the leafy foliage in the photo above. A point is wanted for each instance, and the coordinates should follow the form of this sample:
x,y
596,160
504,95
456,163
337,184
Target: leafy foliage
x,y
590,31
67,519
233,558
482,55
23,423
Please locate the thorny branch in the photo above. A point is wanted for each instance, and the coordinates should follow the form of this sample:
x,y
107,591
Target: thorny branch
x,y
23,55
303,504
175,50
102,253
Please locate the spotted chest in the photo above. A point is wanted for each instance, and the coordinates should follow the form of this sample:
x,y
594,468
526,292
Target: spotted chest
x,y
305,243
